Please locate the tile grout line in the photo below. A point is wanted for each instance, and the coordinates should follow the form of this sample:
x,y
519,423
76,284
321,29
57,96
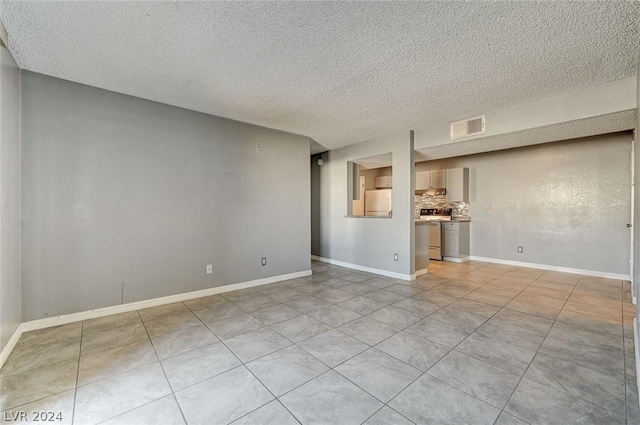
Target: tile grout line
x,y
75,392
501,308
533,358
243,364
161,367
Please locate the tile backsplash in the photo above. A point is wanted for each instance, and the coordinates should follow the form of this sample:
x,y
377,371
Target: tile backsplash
x,y
440,201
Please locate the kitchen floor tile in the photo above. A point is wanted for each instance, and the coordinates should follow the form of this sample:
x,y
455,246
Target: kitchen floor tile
x,y
164,411
459,318
507,419
113,337
308,304
223,398
598,388
388,416
439,332
272,413
103,364
218,311
61,405
385,297
475,377
236,325
358,289
175,322
32,356
162,310
417,306
504,355
256,344
300,328
607,361
481,309
381,282
170,344
395,317
102,324
25,387
430,401
197,365
334,296
537,305
118,394
334,315
378,373
275,314
539,404
368,330
330,399
362,305
434,298
42,337
286,369
333,347
259,302
404,289
413,350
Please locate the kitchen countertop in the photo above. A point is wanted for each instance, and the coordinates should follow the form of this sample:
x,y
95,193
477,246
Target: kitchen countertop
x,y
457,219
367,216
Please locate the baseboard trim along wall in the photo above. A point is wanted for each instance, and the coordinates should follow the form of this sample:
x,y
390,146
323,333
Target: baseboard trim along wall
x,y
456,260
365,268
553,268
637,350
420,272
50,322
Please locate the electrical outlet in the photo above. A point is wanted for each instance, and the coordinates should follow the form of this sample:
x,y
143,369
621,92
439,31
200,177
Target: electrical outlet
x,y
209,268
519,250
264,261
258,147
395,257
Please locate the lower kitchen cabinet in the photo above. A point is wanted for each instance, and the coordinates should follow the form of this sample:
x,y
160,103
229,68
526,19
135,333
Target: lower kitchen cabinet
x,y
455,241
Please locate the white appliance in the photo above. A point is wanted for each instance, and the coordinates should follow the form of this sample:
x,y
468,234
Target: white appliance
x,y
378,202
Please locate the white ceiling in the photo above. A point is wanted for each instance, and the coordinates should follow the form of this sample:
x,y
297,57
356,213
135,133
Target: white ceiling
x,y
338,72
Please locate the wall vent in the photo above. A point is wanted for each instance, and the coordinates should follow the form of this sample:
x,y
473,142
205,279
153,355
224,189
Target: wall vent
x,y
468,127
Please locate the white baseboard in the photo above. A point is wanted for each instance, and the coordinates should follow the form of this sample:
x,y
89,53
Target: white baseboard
x,y
637,350
456,259
420,272
8,348
137,305
365,268
553,268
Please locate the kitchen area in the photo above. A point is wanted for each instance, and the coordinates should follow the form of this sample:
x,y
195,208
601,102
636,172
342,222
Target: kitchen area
x,y
442,216
441,207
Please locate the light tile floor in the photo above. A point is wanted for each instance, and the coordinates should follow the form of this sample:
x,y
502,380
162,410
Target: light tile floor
x,y
470,343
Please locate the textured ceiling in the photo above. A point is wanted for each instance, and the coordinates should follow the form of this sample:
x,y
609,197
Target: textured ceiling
x,y
338,72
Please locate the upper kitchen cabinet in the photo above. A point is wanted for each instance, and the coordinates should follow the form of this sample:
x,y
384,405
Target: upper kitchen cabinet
x,y
438,179
433,179
383,182
457,185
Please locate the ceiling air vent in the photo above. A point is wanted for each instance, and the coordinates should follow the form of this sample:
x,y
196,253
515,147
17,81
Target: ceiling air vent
x,y
469,127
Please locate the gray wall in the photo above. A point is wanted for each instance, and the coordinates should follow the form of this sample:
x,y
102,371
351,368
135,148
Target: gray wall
x,y
536,192
119,190
636,198
369,242
10,193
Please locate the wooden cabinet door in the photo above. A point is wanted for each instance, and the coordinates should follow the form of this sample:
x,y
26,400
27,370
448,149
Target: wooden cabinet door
x,y
423,180
451,244
438,179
